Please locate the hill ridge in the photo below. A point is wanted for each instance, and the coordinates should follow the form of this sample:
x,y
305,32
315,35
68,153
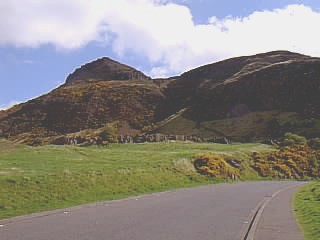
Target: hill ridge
x,y
251,88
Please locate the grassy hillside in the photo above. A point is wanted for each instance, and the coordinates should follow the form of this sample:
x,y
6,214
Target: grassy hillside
x,y
248,99
8,147
34,179
69,109
248,127
307,205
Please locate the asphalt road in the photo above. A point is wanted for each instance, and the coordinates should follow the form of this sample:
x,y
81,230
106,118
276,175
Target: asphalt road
x,y
215,212
277,222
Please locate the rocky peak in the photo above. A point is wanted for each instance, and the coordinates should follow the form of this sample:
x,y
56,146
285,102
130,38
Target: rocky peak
x,y
104,69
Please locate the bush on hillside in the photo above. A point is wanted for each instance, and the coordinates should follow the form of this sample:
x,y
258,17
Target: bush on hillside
x,y
291,139
295,162
314,143
215,166
108,134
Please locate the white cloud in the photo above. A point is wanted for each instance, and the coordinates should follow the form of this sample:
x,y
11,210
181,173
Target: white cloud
x,y
66,24
163,32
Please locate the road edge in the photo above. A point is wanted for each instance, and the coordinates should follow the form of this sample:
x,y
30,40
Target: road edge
x,y
256,214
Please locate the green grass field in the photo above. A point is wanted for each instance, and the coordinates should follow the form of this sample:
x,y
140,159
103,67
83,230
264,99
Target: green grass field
x,y
34,179
307,205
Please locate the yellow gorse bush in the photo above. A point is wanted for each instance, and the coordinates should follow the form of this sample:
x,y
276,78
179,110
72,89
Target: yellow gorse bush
x,y
215,166
289,162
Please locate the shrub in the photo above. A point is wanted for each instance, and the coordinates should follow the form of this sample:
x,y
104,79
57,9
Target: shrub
x,y
289,162
215,166
109,134
291,139
314,143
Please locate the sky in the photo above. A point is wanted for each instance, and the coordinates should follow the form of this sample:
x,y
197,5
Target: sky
x,y
42,41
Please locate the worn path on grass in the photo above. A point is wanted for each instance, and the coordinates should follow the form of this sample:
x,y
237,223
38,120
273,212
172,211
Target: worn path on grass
x,y
221,211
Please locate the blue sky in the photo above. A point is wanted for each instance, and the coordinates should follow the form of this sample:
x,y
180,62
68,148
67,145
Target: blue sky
x,y
41,42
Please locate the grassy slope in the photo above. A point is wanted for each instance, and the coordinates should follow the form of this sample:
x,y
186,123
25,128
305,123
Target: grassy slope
x,y
244,127
232,127
307,205
34,179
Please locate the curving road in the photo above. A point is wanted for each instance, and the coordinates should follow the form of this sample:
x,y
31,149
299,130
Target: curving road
x,y
215,212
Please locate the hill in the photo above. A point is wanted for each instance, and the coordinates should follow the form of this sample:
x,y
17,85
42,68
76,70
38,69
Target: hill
x,y
249,98
100,92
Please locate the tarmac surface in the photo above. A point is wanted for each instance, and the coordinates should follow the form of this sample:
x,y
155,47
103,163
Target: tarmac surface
x,y
277,221
256,210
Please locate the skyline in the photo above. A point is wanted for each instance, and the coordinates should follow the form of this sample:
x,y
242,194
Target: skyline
x,y
40,50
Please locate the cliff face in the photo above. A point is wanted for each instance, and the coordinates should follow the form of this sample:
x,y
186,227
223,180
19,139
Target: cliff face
x,y
291,86
204,79
254,96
